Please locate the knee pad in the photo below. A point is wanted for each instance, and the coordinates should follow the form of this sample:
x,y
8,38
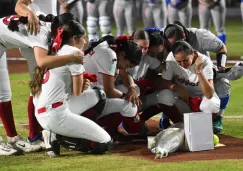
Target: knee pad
x,y
99,107
166,97
105,25
92,27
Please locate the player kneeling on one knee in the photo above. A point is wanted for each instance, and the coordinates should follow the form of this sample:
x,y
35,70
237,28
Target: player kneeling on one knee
x,y
189,82
53,88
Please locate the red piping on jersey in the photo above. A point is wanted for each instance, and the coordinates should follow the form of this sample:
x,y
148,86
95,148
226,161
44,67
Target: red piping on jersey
x,y
107,74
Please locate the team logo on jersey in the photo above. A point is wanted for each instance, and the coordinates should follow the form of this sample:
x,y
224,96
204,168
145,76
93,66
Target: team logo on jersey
x,y
184,81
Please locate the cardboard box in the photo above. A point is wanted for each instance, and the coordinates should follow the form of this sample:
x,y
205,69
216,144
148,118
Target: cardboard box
x,y
198,131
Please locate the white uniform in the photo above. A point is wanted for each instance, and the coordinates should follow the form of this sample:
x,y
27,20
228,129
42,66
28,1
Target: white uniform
x,y
188,79
57,87
9,39
103,60
46,6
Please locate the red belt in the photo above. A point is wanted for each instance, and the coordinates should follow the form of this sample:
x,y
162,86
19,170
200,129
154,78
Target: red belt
x,y
54,105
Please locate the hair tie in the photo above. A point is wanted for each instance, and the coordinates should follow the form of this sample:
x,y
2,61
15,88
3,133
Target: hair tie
x,y
58,40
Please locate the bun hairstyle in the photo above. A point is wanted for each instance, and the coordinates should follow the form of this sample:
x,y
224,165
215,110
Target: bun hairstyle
x,y
133,52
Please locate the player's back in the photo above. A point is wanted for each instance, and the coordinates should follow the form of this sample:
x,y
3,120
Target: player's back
x,y
21,38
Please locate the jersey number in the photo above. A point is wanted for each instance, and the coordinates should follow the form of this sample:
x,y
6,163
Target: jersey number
x,y
46,76
7,19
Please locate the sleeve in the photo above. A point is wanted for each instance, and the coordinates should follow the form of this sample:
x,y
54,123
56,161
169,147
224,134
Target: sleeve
x,y
106,62
208,68
208,41
153,62
168,72
76,69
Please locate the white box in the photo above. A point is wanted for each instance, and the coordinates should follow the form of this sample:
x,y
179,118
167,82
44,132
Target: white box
x,y
199,131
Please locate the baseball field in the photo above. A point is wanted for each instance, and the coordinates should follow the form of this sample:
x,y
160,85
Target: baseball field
x,y
136,156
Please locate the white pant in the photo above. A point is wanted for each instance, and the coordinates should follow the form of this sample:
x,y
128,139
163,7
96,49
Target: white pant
x,y
170,98
62,121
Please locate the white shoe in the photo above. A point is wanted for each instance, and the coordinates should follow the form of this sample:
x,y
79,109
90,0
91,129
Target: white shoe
x,y
19,144
6,151
52,147
37,142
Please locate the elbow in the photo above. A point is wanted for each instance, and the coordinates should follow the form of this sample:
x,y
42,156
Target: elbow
x,y
41,64
210,94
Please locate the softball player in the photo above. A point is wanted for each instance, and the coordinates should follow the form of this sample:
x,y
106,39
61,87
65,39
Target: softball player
x,y
124,15
73,6
192,75
95,9
22,39
30,8
154,13
180,9
51,94
217,10
203,40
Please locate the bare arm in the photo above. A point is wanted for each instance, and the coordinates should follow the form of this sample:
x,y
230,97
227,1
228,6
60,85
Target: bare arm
x,y
33,21
44,60
109,87
77,84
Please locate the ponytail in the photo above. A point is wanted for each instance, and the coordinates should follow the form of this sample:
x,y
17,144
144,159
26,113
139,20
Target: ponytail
x,y
36,83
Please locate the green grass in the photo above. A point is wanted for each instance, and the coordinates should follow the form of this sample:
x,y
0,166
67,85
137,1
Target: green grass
x,y
71,160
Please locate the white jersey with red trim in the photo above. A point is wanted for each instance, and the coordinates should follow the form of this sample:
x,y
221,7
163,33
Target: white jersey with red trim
x,y
188,78
147,62
21,38
46,6
101,60
57,82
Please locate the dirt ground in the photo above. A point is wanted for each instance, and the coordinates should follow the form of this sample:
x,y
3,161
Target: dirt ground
x,y
138,148
233,149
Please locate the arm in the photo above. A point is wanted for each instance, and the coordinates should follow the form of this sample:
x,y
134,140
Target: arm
x,y
64,5
33,21
77,84
109,87
206,85
44,60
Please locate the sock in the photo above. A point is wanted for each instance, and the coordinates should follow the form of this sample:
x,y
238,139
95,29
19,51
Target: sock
x,y
34,126
6,115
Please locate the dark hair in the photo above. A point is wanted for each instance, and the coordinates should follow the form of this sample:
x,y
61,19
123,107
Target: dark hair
x,y
140,35
133,52
156,39
174,30
72,28
182,46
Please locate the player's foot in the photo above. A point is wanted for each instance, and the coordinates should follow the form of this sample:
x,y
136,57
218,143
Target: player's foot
x,y
20,145
6,151
37,140
218,125
52,146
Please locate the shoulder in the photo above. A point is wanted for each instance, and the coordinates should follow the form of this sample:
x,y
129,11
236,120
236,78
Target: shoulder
x,y
67,49
170,57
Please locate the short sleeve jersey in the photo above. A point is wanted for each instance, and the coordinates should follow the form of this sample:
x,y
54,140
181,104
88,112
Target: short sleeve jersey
x,y
203,40
21,38
188,78
46,6
101,60
147,62
57,82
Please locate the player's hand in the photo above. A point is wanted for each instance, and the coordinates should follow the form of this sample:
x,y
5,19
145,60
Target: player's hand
x,y
78,57
86,84
132,97
33,24
199,64
221,69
